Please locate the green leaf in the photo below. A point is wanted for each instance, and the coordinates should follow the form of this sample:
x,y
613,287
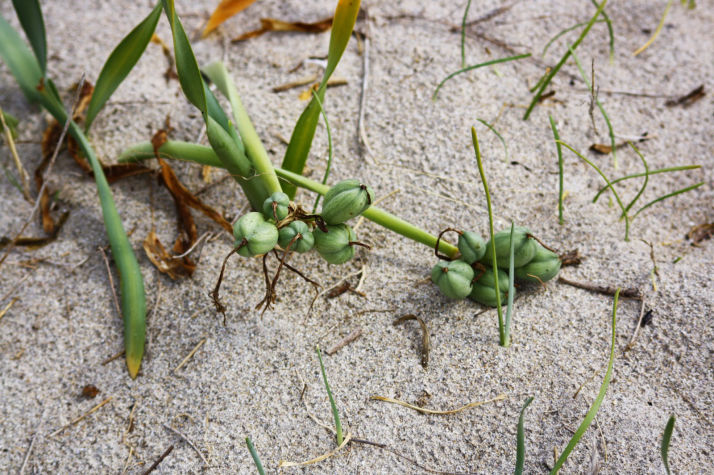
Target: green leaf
x,y
598,400
11,122
120,62
20,60
521,439
666,438
304,131
186,65
30,16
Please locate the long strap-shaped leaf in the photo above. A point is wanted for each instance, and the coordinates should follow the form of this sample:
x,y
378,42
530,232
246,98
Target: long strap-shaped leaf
x,y
121,62
30,16
28,74
301,139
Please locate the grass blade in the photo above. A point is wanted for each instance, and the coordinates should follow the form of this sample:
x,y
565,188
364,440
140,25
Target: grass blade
x,y
11,122
511,290
666,439
598,400
563,32
20,60
644,185
668,195
521,439
463,34
494,263
562,61
610,31
657,30
329,154
186,65
500,137
613,145
609,184
120,62
476,66
335,412
30,16
559,149
304,131
254,454
638,175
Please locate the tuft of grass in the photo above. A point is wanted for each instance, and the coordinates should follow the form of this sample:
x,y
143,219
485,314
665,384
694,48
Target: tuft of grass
x,y
333,405
254,454
666,439
559,149
502,335
544,83
598,400
521,439
476,66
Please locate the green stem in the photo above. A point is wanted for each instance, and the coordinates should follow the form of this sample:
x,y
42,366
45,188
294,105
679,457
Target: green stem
x,y
206,156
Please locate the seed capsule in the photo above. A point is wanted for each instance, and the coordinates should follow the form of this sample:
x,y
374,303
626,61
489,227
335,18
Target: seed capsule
x,y
453,278
544,266
524,248
303,243
278,201
254,235
471,246
334,245
484,289
345,200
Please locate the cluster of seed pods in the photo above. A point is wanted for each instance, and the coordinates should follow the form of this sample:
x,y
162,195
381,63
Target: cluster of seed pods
x,y
286,225
471,274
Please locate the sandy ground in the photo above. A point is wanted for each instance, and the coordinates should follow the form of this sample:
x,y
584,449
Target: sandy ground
x,y
259,377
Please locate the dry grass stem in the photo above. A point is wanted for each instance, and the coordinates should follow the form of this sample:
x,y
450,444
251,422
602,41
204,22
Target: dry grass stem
x,y
86,414
431,411
190,355
322,457
351,336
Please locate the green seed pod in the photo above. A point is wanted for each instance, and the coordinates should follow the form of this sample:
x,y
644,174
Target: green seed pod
x,y
281,200
260,236
544,266
484,289
524,248
345,200
453,278
334,245
471,246
304,243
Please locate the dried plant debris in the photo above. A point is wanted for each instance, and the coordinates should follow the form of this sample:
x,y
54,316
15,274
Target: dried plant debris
x,y
225,10
425,341
700,232
272,24
687,99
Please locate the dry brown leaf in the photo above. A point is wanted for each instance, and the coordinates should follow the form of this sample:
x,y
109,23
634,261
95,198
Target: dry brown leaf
x,y
601,148
700,232
225,10
157,254
272,24
688,99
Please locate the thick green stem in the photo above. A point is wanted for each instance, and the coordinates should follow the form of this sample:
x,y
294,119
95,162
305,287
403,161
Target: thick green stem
x,y
206,156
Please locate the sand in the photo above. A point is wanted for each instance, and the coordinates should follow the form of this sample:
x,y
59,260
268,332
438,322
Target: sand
x,y
259,376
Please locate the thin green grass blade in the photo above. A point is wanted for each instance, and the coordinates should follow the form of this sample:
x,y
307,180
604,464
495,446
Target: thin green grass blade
x,y
30,16
666,439
304,131
20,60
559,149
611,132
564,32
644,185
476,66
598,400
177,150
254,454
254,149
329,154
668,195
511,289
186,65
120,62
609,184
11,122
335,412
639,175
562,61
463,34
521,439
494,263
500,137
610,31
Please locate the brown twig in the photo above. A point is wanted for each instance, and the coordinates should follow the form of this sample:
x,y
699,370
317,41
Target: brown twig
x,y
425,341
351,336
629,293
113,357
49,169
188,441
159,460
76,420
216,299
190,355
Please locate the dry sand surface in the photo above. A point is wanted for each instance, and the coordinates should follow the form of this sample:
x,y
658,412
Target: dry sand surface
x,y
260,377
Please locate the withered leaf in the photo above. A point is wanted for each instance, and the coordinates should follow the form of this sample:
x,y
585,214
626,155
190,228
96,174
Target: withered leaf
x,y
157,254
225,10
700,232
687,99
90,391
272,24
601,148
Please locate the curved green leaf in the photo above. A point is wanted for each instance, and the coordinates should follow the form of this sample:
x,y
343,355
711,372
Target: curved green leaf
x,y
304,131
20,60
120,62
666,438
30,16
521,439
